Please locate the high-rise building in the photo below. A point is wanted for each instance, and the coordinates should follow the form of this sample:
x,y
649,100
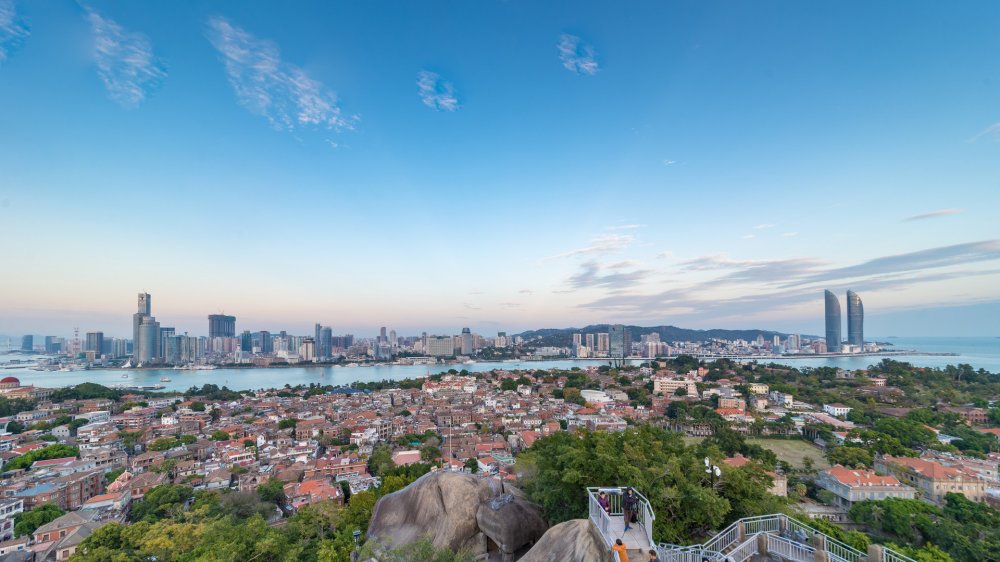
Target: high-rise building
x,y
221,326
589,338
382,337
577,340
148,342
467,341
439,346
246,341
832,323
307,349
50,344
27,343
266,344
620,342
501,340
324,347
603,342
165,333
95,342
855,320
392,338
144,310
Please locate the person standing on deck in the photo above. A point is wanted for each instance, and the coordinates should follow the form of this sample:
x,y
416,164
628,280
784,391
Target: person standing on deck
x,y
602,500
620,550
630,505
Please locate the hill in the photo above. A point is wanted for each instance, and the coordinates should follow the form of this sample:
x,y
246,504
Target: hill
x,y
562,337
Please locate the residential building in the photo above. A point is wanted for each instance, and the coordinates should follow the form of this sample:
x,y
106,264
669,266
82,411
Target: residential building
x,y
850,486
837,409
932,479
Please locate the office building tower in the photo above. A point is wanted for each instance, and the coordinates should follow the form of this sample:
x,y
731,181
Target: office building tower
x,y
148,343
95,343
317,330
392,339
440,346
603,342
266,345
589,339
620,342
50,344
119,348
832,323
144,309
27,343
307,350
855,320
246,341
324,347
165,332
172,349
466,341
501,340
382,337
221,326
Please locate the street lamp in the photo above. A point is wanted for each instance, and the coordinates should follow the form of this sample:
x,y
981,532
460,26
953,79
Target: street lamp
x,y
712,470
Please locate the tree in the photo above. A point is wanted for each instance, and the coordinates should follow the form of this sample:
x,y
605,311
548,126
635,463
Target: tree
x,y
219,435
851,457
287,423
47,453
197,406
508,384
681,391
163,501
472,465
272,491
380,460
25,523
428,453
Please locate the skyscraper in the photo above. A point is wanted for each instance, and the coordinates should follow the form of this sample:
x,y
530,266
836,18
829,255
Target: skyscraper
x,y
144,310
620,342
855,320
382,337
221,326
148,341
246,341
466,341
832,323
95,342
324,347
27,343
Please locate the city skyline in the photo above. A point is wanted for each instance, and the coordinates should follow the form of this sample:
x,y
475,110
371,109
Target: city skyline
x,y
503,166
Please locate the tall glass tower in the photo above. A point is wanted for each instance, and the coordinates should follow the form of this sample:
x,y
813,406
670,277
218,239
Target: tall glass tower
x,y
832,323
855,320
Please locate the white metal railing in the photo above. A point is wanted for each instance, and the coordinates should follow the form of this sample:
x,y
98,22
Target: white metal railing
x,y
745,550
890,555
790,549
602,519
789,534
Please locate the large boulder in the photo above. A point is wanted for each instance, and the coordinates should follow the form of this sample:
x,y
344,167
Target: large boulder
x,y
458,511
575,540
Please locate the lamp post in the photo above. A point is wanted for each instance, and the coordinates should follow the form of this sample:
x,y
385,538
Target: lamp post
x,y
356,555
712,470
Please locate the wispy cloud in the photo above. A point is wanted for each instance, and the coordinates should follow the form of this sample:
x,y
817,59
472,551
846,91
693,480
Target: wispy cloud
x,y
625,227
13,30
435,92
933,214
764,226
510,305
749,236
590,275
577,56
602,244
125,61
669,162
790,234
991,132
471,306
526,292
267,86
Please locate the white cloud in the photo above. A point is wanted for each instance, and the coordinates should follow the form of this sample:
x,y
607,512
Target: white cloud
x,y
13,30
933,215
669,162
577,56
125,61
526,292
764,226
267,86
665,254
749,236
436,93
602,244
991,132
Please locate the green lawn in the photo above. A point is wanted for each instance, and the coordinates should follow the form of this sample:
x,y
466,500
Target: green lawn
x,y
794,451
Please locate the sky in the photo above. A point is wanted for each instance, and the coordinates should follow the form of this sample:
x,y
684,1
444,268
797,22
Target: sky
x,y
503,165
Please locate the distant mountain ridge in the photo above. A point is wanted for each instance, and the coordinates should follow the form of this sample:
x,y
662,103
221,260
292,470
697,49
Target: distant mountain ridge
x,y
562,337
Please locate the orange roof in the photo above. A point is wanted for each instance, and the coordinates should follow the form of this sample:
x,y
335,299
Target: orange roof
x,y
738,460
854,477
926,468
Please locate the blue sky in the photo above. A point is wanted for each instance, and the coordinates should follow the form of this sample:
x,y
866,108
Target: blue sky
x,y
502,165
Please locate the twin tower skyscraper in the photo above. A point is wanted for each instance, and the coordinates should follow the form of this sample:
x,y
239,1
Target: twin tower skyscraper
x,y
855,322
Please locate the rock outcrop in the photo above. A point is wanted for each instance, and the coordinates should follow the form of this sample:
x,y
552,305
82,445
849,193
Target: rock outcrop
x,y
459,511
575,540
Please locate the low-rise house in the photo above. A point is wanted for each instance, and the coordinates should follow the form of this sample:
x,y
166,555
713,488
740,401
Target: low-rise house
x,y
837,409
932,479
850,486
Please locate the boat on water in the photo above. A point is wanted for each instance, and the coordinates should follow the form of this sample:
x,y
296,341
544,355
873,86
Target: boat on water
x,y
164,379
124,375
